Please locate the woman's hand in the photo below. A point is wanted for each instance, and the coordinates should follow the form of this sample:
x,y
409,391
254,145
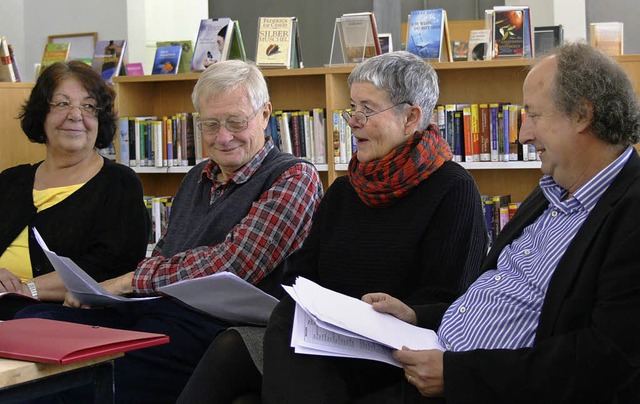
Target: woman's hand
x,y
384,303
12,283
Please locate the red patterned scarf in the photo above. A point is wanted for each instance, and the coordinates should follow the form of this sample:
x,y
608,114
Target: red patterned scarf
x,y
380,183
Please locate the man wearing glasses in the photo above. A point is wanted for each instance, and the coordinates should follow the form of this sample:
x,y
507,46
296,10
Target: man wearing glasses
x,y
244,211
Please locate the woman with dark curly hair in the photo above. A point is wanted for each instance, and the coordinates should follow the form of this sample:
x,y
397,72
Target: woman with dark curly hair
x,y
85,207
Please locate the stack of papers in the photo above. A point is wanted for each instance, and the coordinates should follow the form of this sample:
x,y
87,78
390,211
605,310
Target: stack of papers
x,y
332,324
222,295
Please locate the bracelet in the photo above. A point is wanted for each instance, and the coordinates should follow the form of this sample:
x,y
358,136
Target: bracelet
x,y
32,288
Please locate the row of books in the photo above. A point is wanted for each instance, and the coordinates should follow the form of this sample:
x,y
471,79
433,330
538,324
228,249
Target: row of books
x,y
147,141
483,132
498,210
344,143
301,133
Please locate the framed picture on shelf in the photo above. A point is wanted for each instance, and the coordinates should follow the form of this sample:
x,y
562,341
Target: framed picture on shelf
x,y
547,38
82,45
386,44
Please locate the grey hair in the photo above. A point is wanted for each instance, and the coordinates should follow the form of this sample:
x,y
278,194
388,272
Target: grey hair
x,y
587,74
403,76
228,75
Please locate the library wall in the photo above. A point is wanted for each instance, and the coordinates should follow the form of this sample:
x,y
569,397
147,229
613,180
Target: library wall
x,y
625,11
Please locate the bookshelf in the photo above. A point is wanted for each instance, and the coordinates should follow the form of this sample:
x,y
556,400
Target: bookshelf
x,y
326,87
322,87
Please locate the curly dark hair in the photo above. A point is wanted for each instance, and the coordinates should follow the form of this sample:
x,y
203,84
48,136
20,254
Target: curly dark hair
x,y
35,110
587,74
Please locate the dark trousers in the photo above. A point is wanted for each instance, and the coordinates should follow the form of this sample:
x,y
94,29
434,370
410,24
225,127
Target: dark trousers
x,y
297,378
150,375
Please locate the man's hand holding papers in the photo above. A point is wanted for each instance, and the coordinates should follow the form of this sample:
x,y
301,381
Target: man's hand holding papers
x,y
332,324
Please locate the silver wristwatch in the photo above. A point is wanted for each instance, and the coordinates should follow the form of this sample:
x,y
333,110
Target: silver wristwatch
x,y
32,288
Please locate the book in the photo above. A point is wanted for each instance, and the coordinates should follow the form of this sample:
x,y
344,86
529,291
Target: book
x,y
278,43
547,38
14,63
167,59
6,65
329,323
61,342
479,44
186,55
428,35
608,37
358,34
212,44
512,32
134,69
460,50
53,53
108,58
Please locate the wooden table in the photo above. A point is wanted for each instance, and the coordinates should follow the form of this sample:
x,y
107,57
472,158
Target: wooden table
x,y
22,380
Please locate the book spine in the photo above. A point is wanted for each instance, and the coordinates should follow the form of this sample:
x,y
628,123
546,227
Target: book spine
x,y
442,121
159,143
294,125
514,130
191,148
450,110
485,133
183,140
319,134
504,136
308,135
458,135
123,145
468,135
197,139
475,131
336,136
493,131
14,64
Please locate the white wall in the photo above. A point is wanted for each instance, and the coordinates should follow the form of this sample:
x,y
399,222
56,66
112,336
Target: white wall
x,y
570,14
28,23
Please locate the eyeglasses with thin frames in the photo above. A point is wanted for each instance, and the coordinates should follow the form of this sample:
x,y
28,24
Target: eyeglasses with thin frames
x,y
212,126
64,107
362,118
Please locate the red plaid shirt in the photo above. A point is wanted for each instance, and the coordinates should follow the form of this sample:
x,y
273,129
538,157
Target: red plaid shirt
x,y
275,227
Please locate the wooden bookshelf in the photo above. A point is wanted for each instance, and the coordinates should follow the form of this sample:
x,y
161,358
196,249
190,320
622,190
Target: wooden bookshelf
x,y
296,89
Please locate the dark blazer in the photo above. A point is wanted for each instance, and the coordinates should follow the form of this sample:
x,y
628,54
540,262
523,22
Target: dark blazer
x,y
587,346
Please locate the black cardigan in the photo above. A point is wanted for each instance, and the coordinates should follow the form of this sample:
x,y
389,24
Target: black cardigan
x,y
103,226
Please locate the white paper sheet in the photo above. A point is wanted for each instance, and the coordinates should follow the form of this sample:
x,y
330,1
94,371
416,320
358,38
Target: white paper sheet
x,y
333,324
225,296
82,286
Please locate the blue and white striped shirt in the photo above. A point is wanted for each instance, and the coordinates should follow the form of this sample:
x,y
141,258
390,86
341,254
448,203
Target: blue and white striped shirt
x,y
501,309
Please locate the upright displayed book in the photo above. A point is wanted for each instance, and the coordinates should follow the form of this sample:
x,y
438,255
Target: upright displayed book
x,y
358,34
428,35
479,44
608,37
53,53
512,32
278,43
167,59
108,58
218,39
14,63
6,65
134,69
186,55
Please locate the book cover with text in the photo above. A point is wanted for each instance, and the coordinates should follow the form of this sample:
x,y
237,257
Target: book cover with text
x,y
213,42
167,59
428,35
278,42
108,57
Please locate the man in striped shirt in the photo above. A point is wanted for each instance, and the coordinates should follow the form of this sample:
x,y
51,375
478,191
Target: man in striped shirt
x,y
244,211
555,316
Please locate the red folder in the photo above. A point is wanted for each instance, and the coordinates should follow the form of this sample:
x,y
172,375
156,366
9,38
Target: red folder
x,y
51,341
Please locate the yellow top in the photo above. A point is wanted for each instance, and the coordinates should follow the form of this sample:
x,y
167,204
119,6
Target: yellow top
x,y
16,257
